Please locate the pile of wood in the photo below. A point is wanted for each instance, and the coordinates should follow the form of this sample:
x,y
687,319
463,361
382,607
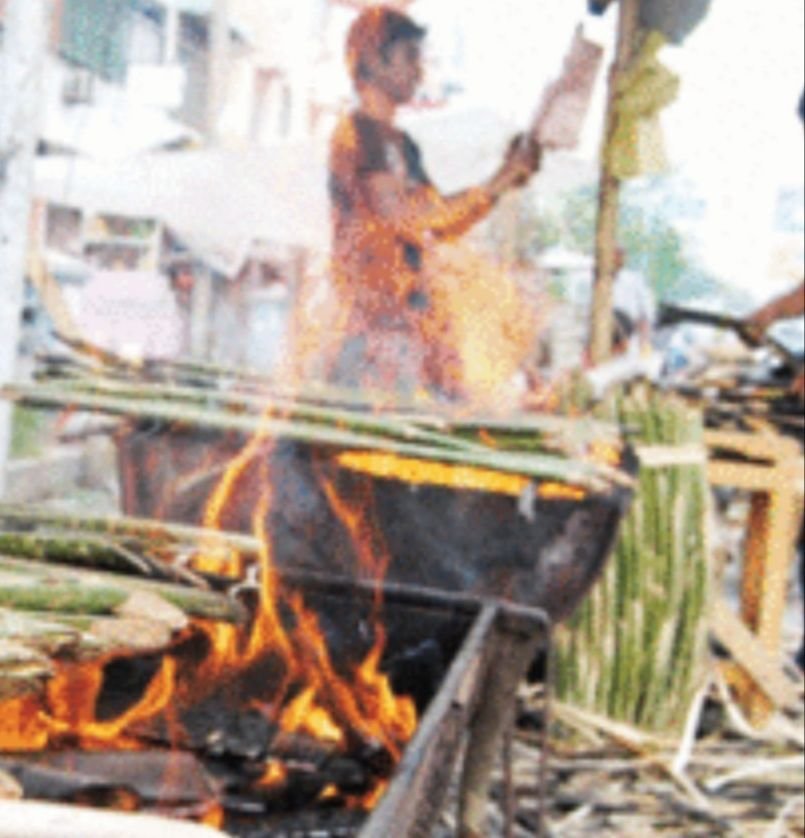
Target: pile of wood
x,y
79,588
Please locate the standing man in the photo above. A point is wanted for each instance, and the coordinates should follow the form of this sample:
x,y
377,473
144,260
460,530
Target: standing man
x,y
634,308
386,214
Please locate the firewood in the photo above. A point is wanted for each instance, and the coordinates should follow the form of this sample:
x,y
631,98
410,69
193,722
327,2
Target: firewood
x,y
65,775
745,648
41,633
22,670
87,637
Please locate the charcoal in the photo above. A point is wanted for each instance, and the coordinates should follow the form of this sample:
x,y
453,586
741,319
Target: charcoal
x,y
124,682
244,735
302,788
417,672
242,804
316,823
348,776
146,777
302,748
121,799
376,758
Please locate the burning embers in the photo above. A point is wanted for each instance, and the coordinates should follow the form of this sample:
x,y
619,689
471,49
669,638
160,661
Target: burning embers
x,y
303,725
261,717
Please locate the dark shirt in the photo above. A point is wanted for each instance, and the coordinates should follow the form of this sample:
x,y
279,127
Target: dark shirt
x,y
361,147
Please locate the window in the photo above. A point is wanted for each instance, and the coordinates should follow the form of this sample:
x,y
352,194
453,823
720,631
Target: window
x,y
94,34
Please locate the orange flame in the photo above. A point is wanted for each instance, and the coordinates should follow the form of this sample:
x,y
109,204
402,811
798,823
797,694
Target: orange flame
x,y
423,472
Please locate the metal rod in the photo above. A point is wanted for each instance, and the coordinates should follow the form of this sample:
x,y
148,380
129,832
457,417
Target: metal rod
x,y
509,791
513,654
542,777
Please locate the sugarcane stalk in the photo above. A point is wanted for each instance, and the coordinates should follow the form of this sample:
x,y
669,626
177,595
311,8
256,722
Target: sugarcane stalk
x,y
83,550
147,531
31,587
61,596
650,646
589,476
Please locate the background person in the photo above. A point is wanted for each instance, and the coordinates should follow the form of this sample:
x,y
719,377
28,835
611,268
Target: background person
x,y
634,308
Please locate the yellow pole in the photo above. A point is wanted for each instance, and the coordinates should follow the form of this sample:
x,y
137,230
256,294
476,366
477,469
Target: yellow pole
x,y
606,238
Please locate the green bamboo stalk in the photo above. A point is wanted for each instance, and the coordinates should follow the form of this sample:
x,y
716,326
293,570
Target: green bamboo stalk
x,y
650,652
77,549
147,531
30,586
269,406
590,476
528,432
61,596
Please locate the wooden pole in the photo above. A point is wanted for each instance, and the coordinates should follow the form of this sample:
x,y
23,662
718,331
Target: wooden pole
x,y
606,238
22,61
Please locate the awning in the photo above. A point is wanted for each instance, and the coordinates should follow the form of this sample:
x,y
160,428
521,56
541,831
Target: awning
x,y
113,132
219,202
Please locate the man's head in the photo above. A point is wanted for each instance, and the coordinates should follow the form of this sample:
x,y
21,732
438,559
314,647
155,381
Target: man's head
x,y
384,50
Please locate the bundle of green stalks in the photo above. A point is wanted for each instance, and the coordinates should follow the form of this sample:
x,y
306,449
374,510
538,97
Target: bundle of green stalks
x,y
636,651
77,587
214,398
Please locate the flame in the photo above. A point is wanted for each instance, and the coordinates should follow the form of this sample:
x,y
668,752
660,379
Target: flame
x,y
605,452
560,491
374,797
72,696
214,818
20,725
424,472
462,326
303,716
274,776
329,793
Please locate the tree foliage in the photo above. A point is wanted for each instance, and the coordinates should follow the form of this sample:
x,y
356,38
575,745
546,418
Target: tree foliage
x,y
653,242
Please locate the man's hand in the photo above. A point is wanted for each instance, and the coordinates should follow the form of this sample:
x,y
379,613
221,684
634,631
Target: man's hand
x,y
522,160
788,305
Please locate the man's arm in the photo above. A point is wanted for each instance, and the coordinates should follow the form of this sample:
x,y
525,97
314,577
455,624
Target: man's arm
x,y
420,213
783,307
